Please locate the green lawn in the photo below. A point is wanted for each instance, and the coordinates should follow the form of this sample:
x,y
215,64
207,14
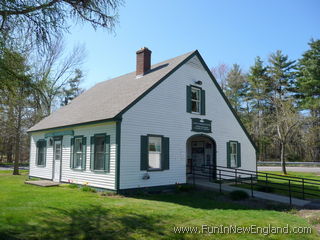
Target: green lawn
x,y
310,189
31,212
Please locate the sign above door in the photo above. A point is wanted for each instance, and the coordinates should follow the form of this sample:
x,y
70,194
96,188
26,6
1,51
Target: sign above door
x,y
201,125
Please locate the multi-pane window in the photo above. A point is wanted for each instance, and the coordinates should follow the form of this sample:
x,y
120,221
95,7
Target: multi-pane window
x,y
195,100
78,152
41,152
99,152
154,151
78,155
233,154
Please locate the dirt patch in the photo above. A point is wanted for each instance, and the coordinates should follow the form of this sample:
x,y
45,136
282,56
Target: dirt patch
x,y
313,217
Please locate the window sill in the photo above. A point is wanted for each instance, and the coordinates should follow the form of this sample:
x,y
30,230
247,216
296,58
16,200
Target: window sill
x,y
100,171
154,170
42,166
78,169
197,113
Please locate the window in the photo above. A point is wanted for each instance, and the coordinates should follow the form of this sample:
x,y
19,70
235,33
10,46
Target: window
x,y
41,152
78,152
195,99
154,152
100,152
57,156
233,154
154,155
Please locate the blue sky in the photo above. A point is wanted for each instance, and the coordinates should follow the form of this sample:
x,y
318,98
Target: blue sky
x,y
229,31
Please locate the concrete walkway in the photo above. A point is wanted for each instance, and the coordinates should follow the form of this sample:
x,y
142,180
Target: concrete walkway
x,y
261,195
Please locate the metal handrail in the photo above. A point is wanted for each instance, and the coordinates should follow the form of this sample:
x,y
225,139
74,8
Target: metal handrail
x,y
289,183
245,170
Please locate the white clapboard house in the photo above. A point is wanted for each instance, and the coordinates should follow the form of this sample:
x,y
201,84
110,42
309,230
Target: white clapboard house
x,y
142,129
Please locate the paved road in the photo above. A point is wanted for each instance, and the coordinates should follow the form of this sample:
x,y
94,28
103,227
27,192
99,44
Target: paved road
x,y
290,169
21,168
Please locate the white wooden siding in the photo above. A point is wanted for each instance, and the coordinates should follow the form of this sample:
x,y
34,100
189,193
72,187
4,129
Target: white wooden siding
x,y
38,171
163,112
101,180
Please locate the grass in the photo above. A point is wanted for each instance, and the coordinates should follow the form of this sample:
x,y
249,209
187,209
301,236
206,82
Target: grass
x,y
31,212
283,189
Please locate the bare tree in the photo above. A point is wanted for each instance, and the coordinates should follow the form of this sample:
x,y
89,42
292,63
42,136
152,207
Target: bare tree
x,y
39,22
53,73
285,122
220,72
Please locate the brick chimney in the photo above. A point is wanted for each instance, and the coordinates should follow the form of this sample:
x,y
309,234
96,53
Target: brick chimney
x,y
143,61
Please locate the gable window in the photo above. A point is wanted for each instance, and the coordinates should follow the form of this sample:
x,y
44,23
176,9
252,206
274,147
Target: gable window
x,y
154,153
233,154
196,100
41,152
78,152
100,152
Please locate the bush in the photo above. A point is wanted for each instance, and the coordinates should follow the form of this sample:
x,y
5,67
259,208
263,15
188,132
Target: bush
x,y
266,189
88,189
108,194
72,185
184,187
238,195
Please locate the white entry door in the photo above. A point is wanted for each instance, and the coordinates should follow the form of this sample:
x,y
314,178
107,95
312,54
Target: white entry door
x,y
57,156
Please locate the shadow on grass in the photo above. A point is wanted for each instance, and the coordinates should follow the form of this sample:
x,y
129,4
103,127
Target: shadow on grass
x,y
94,223
209,200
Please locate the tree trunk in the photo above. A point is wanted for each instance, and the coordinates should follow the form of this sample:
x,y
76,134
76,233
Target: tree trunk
x,y
9,151
17,143
283,163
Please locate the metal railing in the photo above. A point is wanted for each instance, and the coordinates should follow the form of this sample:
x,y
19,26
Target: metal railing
x,y
291,186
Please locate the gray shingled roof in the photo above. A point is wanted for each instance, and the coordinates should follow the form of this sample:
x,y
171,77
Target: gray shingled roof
x,y
107,99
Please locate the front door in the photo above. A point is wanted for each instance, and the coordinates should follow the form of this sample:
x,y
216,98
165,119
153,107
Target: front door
x,y
203,156
197,153
57,156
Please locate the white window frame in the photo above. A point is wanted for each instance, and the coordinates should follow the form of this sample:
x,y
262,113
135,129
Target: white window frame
x,y
158,152
233,156
197,101
77,153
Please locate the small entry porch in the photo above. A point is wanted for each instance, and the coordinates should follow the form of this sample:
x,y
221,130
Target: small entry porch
x,y
42,183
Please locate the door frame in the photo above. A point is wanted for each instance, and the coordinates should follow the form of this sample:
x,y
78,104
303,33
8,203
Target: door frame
x,y
56,139
214,150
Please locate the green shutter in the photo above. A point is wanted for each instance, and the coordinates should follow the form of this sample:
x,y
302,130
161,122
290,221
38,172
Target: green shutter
x,y
107,154
84,153
238,154
144,153
165,154
71,153
188,97
92,153
45,152
228,155
203,102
